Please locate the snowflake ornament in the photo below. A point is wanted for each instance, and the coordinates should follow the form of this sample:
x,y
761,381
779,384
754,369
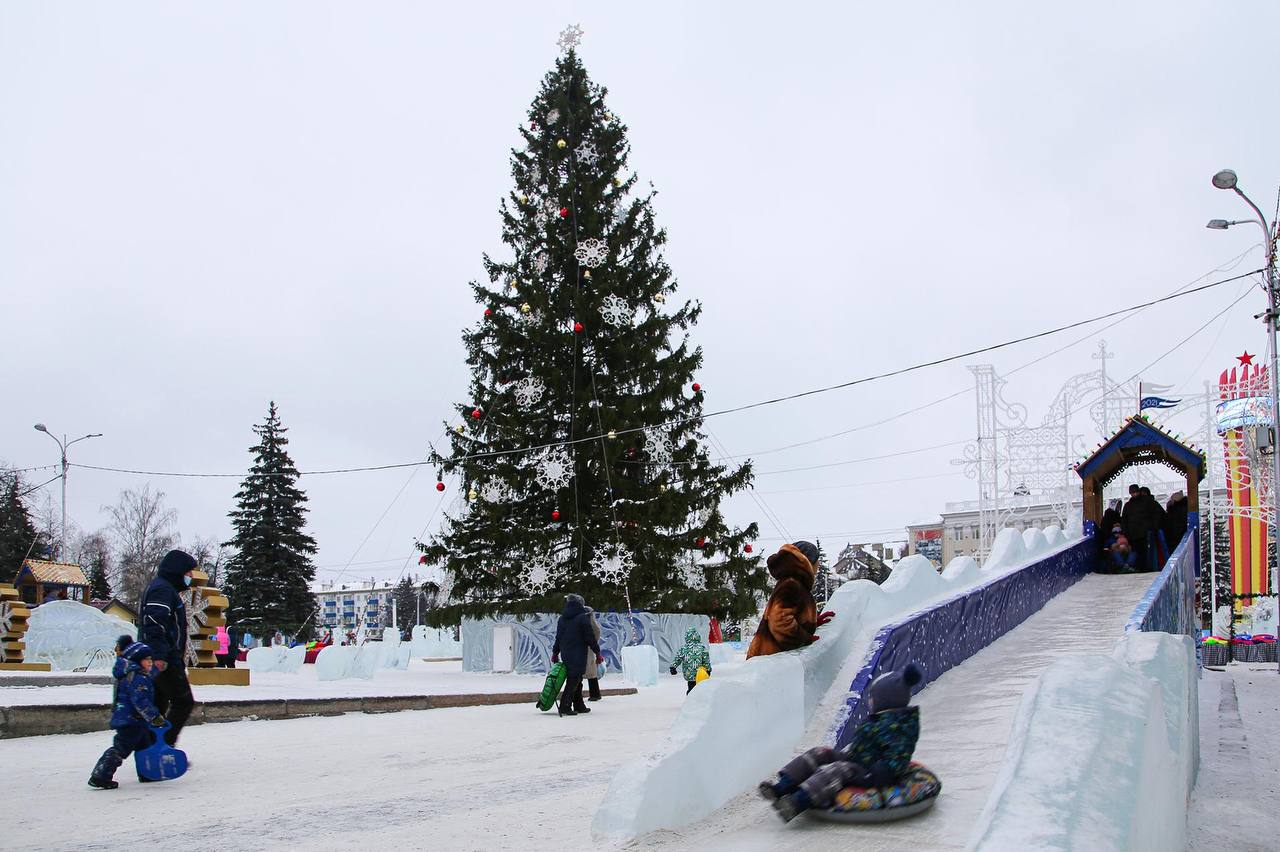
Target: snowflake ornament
x,y
8,618
694,577
615,311
614,565
540,574
658,447
591,252
587,153
570,37
541,218
495,491
529,391
555,470
540,263
197,622
553,116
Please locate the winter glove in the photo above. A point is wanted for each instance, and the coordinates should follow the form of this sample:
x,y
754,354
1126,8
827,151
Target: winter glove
x,y
157,722
555,658
825,617
673,669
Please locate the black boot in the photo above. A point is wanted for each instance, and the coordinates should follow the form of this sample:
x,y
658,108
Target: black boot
x,y
593,689
105,769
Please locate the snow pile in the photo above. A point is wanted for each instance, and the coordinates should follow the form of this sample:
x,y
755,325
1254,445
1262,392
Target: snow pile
x,y
728,737
66,634
1103,753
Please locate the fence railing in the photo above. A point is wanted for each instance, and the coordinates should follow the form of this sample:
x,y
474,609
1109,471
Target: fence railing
x,y
1170,604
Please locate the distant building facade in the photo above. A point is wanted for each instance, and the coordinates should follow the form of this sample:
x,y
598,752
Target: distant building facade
x,y
344,610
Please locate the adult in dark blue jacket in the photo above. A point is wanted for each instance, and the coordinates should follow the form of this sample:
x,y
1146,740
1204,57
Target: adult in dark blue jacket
x,y
574,638
164,628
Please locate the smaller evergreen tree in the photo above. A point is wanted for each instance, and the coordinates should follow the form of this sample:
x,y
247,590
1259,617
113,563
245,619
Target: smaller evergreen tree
x,y
97,568
406,597
269,575
17,532
1221,565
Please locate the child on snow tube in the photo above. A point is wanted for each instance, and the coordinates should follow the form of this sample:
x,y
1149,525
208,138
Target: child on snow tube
x,y
878,756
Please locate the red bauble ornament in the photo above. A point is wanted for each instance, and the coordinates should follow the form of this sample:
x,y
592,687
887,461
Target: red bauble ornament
x,y
422,560
564,212
577,328
488,312
696,387
439,486
700,542
476,414
555,515
747,548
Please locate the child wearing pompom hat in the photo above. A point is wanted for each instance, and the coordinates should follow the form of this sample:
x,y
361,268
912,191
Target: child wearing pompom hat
x,y
879,754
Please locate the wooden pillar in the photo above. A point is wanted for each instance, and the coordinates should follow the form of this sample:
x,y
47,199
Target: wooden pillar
x,y
1092,500
1193,491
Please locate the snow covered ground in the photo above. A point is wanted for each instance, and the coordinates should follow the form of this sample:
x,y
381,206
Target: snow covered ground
x,y
966,719
458,779
421,678
1236,804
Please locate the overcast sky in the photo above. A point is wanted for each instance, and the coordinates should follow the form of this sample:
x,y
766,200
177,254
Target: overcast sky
x,y
204,207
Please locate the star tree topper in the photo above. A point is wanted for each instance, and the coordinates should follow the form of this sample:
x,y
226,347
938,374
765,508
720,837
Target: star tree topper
x,y
570,37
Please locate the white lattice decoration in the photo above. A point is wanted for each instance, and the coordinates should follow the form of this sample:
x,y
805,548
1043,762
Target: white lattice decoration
x,y
555,470
658,447
540,263
553,116
529,391
496,491
587,153
591,252
541,573
615,311
613,565
694,577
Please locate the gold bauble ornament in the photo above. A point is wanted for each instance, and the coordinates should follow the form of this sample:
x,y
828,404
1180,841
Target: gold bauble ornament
x,y
617,181
458,428
662,488
524,309
472,495
608,116
524,199
659,298
613,435
586,273
561,143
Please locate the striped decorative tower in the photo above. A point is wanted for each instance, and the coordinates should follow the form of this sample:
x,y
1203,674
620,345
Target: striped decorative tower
x,y
1245,405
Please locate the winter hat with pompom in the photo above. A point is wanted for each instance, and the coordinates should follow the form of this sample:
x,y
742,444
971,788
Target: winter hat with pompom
x,y
892,690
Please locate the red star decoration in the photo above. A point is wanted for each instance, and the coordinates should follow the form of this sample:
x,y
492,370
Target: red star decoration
x,y
1246,360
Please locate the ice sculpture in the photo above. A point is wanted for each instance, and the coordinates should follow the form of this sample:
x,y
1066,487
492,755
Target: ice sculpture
x,y
68,635
269,658
640,665
429,643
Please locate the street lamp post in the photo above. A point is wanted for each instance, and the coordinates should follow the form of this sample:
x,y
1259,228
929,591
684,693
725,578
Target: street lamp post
x,y
1226,179
63,446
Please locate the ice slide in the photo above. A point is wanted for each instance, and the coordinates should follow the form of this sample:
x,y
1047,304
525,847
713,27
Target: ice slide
x,y
966,720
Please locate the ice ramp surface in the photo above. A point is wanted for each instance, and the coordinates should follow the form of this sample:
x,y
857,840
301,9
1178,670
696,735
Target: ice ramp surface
x,y
967,718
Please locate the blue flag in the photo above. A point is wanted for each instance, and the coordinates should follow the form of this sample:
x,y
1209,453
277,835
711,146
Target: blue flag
x,y
1157,402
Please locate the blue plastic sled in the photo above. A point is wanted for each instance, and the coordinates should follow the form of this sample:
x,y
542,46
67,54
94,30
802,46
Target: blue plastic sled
x,y
160,761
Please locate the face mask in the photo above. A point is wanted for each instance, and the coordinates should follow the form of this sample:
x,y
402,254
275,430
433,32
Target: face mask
x,y
186,579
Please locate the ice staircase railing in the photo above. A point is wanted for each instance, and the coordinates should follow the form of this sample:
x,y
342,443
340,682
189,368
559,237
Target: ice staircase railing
x,y
1170,604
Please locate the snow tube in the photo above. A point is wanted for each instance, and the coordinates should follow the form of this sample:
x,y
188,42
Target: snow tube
x,y
913,793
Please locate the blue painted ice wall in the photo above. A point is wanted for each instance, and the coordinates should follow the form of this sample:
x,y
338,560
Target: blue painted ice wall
x,y
943,636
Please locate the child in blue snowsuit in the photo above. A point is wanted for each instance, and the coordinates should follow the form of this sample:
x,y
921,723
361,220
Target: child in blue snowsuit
x,y
131,714
879,754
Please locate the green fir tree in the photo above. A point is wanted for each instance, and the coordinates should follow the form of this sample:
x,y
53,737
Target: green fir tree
x,y
406,596
268,576
17,532
580,451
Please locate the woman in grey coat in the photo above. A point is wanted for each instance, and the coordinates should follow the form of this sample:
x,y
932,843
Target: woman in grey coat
x,y
593,668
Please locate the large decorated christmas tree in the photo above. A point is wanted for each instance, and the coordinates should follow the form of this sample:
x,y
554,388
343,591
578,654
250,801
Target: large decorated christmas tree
x,y
580,453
